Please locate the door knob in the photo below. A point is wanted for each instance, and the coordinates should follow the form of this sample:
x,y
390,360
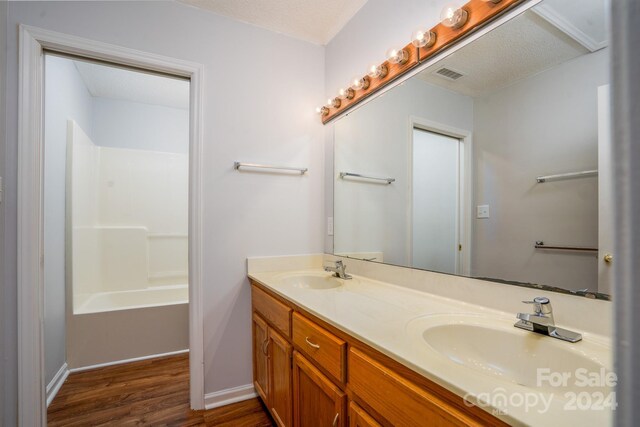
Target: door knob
x,y
608,258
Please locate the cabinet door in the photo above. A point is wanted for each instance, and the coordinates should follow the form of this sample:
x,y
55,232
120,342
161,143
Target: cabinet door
x,y
260,357
280,379
317,402
359,418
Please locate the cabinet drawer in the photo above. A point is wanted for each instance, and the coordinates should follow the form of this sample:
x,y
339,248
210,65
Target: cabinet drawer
x,y
320,345
398,400
275,312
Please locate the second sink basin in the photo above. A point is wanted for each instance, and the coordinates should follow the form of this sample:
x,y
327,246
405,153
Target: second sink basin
x,y
495,348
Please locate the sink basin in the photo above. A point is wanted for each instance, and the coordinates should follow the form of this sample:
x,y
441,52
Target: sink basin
x,y
494,348
313,281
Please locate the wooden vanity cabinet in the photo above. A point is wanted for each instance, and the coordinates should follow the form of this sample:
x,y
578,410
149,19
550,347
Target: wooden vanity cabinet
x,y
306,371
272,353
260,357
280,354
317,402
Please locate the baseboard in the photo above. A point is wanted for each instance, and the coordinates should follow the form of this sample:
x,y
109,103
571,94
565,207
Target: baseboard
x,y
58,379
120,362
228,396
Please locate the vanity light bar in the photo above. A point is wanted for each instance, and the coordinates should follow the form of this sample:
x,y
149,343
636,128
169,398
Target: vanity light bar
x,y
456,22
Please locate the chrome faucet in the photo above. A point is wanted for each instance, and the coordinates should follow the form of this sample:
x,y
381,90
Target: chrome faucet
x,y
541,321
338,270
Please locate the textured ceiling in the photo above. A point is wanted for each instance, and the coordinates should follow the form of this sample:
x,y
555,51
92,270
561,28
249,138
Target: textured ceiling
x,y
316,21
524,46
119,83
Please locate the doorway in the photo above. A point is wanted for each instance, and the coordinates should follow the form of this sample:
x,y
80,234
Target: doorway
x,y
31,207
435,202
439,187
116,172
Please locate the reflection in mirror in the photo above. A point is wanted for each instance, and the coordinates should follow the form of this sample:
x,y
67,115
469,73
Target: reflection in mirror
x,y
449,159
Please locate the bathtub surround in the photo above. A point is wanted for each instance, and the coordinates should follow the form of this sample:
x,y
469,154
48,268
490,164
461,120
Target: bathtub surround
x,y
129,218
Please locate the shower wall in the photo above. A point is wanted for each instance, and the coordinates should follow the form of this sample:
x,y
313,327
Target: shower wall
x,y
129,218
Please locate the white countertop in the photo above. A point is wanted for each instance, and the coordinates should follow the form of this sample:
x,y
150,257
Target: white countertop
x,y
379,313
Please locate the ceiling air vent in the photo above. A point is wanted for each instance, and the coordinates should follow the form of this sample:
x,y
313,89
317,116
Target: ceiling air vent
x,y
448,73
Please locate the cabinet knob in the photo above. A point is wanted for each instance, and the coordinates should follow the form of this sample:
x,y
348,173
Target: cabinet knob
x,y
608,258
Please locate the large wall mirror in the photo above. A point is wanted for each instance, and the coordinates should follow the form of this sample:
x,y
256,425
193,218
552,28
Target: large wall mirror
x,y
491,162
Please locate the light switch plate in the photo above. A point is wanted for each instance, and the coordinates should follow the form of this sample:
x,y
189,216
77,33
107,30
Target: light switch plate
x,y
330,226
482,212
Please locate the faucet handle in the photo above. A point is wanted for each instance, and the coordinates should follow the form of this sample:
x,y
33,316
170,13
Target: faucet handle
x,y
542,305
538,300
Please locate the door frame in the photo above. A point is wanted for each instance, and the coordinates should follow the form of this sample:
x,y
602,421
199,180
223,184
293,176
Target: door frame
x,y
465,188
32,44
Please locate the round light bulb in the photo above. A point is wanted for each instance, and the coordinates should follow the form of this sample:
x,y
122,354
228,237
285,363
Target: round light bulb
x,y
378,71
347,93
423,38
361,83
334,102
323,111
396,56
453,16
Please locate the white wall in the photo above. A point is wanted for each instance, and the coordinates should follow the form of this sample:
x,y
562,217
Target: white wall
x,y
374,140
66,97
543,125
125,124
258,105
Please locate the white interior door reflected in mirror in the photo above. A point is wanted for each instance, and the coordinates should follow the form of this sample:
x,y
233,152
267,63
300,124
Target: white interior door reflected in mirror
x,y
435,201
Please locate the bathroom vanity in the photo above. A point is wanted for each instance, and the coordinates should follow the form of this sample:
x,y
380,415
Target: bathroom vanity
x,y
362,352
307,369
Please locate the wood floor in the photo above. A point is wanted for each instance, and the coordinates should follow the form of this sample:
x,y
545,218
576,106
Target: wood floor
x,y
152,392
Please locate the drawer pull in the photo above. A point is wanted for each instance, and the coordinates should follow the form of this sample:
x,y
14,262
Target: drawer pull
x,y
316,346
264,346
335,420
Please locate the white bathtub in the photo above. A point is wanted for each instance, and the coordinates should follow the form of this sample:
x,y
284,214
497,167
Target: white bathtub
x,y
125,300
112,327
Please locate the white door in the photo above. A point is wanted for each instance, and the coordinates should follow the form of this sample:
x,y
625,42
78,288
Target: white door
x,y
605,193
435,202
